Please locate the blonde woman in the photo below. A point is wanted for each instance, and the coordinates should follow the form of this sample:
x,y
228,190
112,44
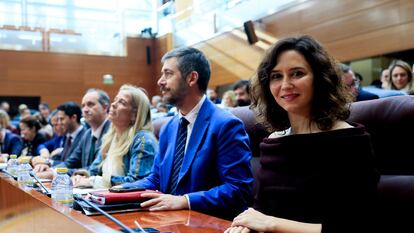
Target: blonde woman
x,y
229,99
128,148
401,77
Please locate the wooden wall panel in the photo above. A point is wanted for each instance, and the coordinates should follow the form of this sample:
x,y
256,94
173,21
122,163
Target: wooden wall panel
x,y
350,30
357,23
60,77
162,45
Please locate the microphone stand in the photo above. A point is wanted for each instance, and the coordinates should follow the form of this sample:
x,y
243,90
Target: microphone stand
x,y
8,173
78,197
47,192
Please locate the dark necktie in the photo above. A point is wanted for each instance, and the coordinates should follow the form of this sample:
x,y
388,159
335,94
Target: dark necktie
x,y
66,148
92,151
179,154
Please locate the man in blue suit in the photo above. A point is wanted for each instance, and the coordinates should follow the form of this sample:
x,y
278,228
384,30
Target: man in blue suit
x,y
214,174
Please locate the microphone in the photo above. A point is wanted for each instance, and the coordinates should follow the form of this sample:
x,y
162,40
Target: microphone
x,y
47,192
78,197
8,173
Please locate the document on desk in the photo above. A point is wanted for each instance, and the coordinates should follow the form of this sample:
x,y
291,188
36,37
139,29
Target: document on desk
x,y
110,209
84,191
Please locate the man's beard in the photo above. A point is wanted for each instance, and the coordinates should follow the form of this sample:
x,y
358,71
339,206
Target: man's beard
x,y
177,95
241,102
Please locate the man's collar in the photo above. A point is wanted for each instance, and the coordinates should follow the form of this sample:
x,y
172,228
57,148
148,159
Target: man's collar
x,y
192,115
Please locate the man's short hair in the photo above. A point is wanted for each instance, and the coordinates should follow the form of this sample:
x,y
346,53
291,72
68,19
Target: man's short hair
x,y
71,108
103,97
189,60
242,83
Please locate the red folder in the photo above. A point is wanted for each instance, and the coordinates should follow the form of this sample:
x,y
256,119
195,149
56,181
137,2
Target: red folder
x,y
105,197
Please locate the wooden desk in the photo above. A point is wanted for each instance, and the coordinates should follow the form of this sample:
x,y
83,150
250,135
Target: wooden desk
x,y
26,210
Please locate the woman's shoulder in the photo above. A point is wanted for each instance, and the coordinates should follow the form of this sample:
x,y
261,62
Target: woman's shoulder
x,y
342,125
278,134
143,133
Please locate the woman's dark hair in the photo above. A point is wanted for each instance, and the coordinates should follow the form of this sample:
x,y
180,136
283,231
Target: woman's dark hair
x,y
330,97
31,122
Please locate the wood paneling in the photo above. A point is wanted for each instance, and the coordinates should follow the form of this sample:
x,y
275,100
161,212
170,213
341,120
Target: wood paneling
x,y
231,57
350,30
57,77
31,211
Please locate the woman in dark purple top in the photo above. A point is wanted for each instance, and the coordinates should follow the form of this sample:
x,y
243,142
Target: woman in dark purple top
x,y
317,172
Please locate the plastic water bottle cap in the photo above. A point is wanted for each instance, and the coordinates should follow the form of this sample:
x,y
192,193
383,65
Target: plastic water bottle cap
x,y
25,159
62,169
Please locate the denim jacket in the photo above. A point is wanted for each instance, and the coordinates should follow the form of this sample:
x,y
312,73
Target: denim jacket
x,y
137,163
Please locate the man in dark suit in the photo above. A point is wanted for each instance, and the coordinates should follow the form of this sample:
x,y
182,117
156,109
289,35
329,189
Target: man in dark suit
x,y
203,162
95,105
69,115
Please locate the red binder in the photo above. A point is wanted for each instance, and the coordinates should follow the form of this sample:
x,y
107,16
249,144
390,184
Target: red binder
x,y
105,197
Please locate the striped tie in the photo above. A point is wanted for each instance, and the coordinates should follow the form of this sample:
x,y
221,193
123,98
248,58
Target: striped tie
x,y
179,154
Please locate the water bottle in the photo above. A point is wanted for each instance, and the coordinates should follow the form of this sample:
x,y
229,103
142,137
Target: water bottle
x,y
12,165
23,173
62,188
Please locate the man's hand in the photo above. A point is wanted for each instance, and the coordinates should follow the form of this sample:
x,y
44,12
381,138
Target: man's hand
x,y
160,201
38,160
56,151
41,168
81,181
48,174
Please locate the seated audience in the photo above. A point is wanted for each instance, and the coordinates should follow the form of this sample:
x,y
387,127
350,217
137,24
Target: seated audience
x,y
128,148
213,96
5,122
54,146
29,129
69,116
385,79
45,128
44,111
95,105
204,156
229,100
242,88
4,105
155,100
317,172
401,77
10,143
353,85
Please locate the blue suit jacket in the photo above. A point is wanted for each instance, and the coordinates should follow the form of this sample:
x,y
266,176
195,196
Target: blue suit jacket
x,y
216,173
12,144
52,144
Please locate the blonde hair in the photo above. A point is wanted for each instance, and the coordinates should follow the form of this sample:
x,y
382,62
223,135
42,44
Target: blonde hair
x,y
4,119
121,143
232,97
